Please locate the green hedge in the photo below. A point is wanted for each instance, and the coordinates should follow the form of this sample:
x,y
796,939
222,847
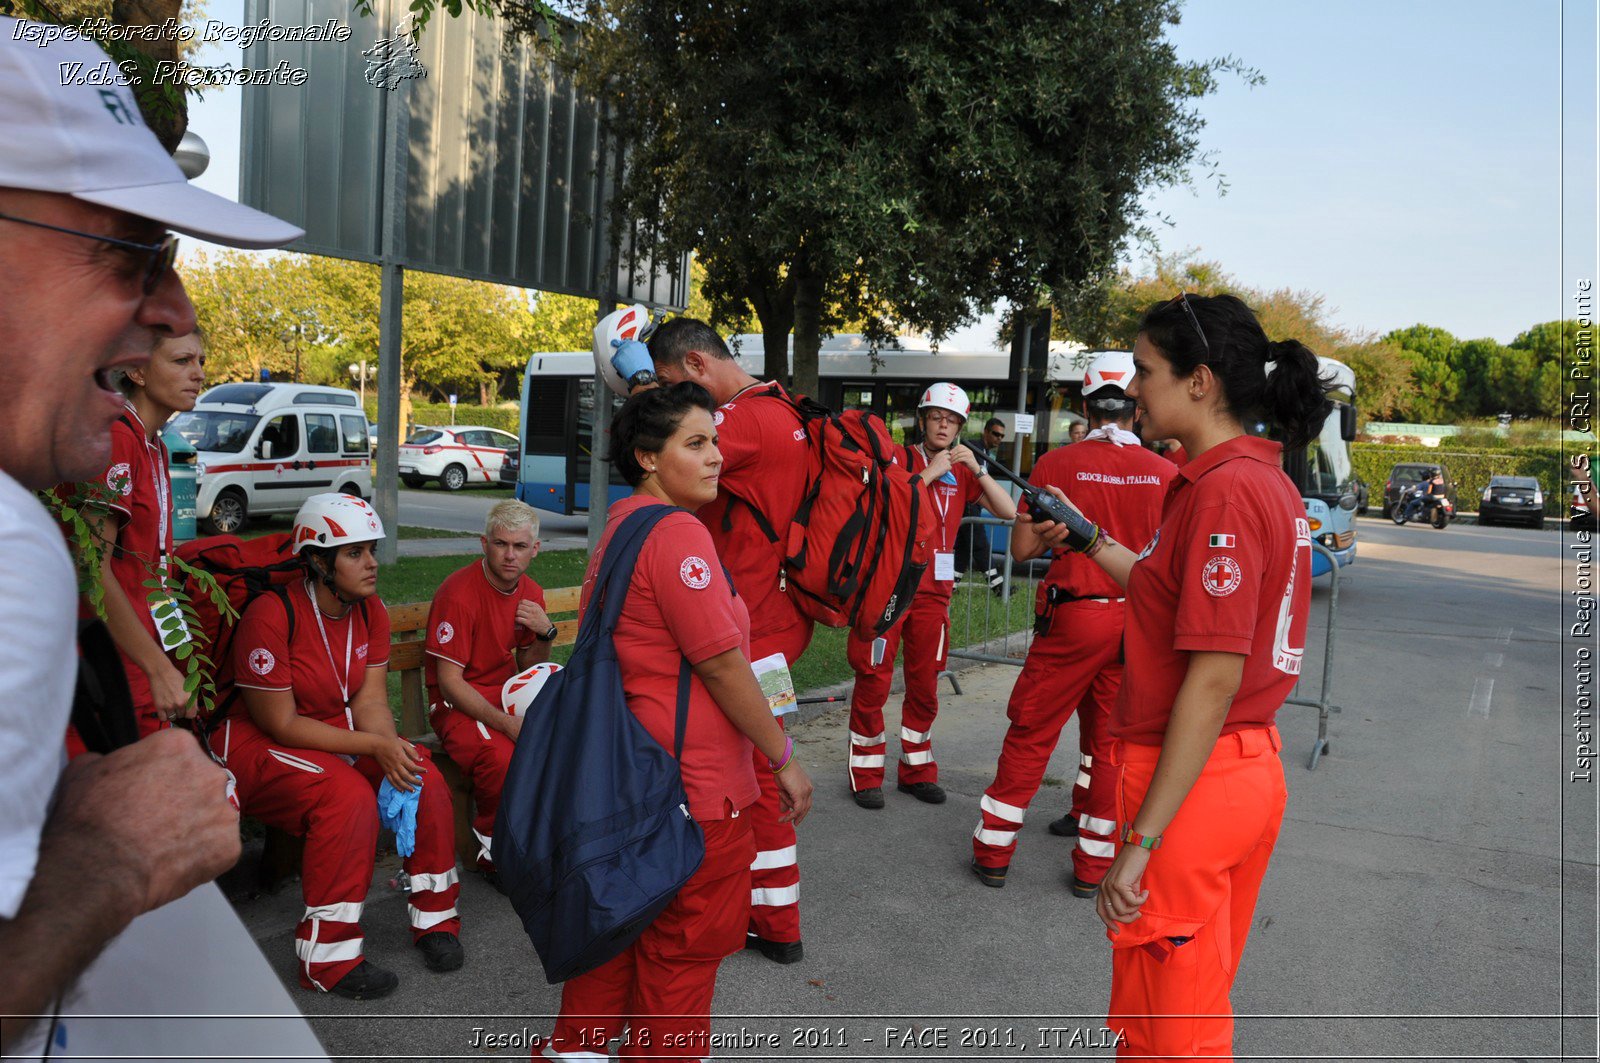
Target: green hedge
x,y
1470,469
505,418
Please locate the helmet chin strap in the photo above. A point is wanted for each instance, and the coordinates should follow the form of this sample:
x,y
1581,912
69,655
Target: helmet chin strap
x,y
326,578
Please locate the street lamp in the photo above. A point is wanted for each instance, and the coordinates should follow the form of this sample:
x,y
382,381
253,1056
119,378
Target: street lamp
x,y
359,371
192,155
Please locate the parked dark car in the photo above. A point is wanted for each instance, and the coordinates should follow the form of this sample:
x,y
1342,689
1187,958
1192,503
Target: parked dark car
x,y
1408,473
1512,499
511,466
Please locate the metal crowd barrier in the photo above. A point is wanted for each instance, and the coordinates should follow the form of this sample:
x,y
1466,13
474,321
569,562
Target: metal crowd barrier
x,y
988,627
999,629
1322,703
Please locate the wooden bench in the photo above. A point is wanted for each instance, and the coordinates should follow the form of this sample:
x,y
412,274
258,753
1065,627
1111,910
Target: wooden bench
x,y
408,624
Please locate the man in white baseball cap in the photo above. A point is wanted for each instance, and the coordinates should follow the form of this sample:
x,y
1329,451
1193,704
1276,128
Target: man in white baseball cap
x,y
87,196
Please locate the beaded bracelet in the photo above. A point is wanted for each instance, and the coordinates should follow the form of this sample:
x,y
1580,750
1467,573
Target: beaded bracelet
x,y
788,756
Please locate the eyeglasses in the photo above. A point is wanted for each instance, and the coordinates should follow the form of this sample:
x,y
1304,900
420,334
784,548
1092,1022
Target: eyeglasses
x,y
161,256
1182,299
943,417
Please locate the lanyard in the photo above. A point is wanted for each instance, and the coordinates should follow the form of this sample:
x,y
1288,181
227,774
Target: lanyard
x,y
349,636
163,488
941,501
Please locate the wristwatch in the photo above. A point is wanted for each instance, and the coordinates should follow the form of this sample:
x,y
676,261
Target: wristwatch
x,y
548,636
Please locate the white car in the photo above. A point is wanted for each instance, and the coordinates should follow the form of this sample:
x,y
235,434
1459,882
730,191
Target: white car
x,y
455,456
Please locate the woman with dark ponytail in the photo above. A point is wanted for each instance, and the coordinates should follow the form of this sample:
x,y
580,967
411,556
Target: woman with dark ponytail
x,y
1217,606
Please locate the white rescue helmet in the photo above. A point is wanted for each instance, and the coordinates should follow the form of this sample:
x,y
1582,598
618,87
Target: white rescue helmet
x,y
335,519
628,323
520,690
946,397
1113,369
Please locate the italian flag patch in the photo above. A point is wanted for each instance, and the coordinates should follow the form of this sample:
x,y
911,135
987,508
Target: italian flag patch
x,y
1221,540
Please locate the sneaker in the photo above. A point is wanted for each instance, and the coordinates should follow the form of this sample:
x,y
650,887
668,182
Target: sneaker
x,y
776,951
997,584
441,951
872,798
931,792
1081,888
990,876
1065,827
366,981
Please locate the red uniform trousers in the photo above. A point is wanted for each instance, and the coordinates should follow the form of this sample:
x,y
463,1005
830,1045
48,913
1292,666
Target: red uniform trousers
x,y
659,989
1203,883
926,634
333,805
775,871
1075,666
483,756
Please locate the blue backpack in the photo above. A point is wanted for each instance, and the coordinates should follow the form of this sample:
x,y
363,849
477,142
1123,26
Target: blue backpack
x,y
594,837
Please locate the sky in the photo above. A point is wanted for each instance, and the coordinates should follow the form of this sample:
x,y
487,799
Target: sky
x,y
1411,160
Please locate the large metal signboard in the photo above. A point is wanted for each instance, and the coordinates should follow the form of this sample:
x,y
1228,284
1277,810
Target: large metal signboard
x,y
507,171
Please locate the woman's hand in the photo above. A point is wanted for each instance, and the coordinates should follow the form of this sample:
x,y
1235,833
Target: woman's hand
x,y
1120,897
1049,532
166,688
794,793
401,763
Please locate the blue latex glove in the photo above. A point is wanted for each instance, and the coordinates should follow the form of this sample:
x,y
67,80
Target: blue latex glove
x,y
631,358
397,811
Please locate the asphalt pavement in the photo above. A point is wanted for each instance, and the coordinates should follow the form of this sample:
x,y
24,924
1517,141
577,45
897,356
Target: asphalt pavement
x,y
1432,895
465,511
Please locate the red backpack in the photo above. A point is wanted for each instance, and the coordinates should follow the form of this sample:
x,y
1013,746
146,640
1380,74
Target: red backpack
x,y
244,569
856,548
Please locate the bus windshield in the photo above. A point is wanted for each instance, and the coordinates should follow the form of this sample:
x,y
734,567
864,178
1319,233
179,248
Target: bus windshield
x,y
1327,468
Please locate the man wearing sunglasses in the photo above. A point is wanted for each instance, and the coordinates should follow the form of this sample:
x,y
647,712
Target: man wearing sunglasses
x,y
87,196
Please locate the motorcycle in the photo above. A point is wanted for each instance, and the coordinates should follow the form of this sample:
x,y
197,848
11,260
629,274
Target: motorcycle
x,y
1416,501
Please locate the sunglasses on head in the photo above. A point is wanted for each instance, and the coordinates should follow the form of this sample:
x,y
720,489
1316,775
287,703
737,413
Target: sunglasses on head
x,y
1182,299
159,256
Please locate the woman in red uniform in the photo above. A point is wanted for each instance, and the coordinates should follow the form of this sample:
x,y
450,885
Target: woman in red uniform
x,y
680,605
1217,606
317,741
135,528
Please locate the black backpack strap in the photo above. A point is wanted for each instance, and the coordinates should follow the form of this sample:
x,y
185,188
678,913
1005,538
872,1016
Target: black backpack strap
x,y
682,724
102,707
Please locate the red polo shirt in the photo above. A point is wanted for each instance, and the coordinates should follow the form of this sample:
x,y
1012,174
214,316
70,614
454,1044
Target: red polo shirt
x,y
764,460
1119,488
138,492
681,606
950,501
473,623
324,664
1230,570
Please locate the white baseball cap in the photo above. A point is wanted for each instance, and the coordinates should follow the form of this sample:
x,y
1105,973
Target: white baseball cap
x,y
90,142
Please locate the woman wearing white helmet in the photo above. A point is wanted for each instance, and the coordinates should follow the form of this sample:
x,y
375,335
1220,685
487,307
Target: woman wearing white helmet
x,y
955,478
317,740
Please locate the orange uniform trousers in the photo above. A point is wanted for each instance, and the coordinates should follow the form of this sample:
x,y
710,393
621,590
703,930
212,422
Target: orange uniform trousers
x,y
926,633
656,995
1074,667
1172,968
483,756
775,872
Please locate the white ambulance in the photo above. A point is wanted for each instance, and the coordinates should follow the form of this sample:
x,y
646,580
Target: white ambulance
x,y
266,448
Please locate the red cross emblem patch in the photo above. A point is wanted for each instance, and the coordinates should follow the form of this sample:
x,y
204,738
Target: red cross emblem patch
x,y
696,574
262,661
1221,576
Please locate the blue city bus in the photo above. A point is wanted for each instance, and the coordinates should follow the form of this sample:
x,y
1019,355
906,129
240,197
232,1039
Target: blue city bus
x,y
558,396
1324,474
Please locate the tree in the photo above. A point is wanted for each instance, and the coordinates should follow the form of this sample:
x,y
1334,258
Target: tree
x,y
308,317
899,162
1106,315
1434,358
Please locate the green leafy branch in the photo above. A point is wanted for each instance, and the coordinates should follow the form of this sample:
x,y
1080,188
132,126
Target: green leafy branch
x,y
171,604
